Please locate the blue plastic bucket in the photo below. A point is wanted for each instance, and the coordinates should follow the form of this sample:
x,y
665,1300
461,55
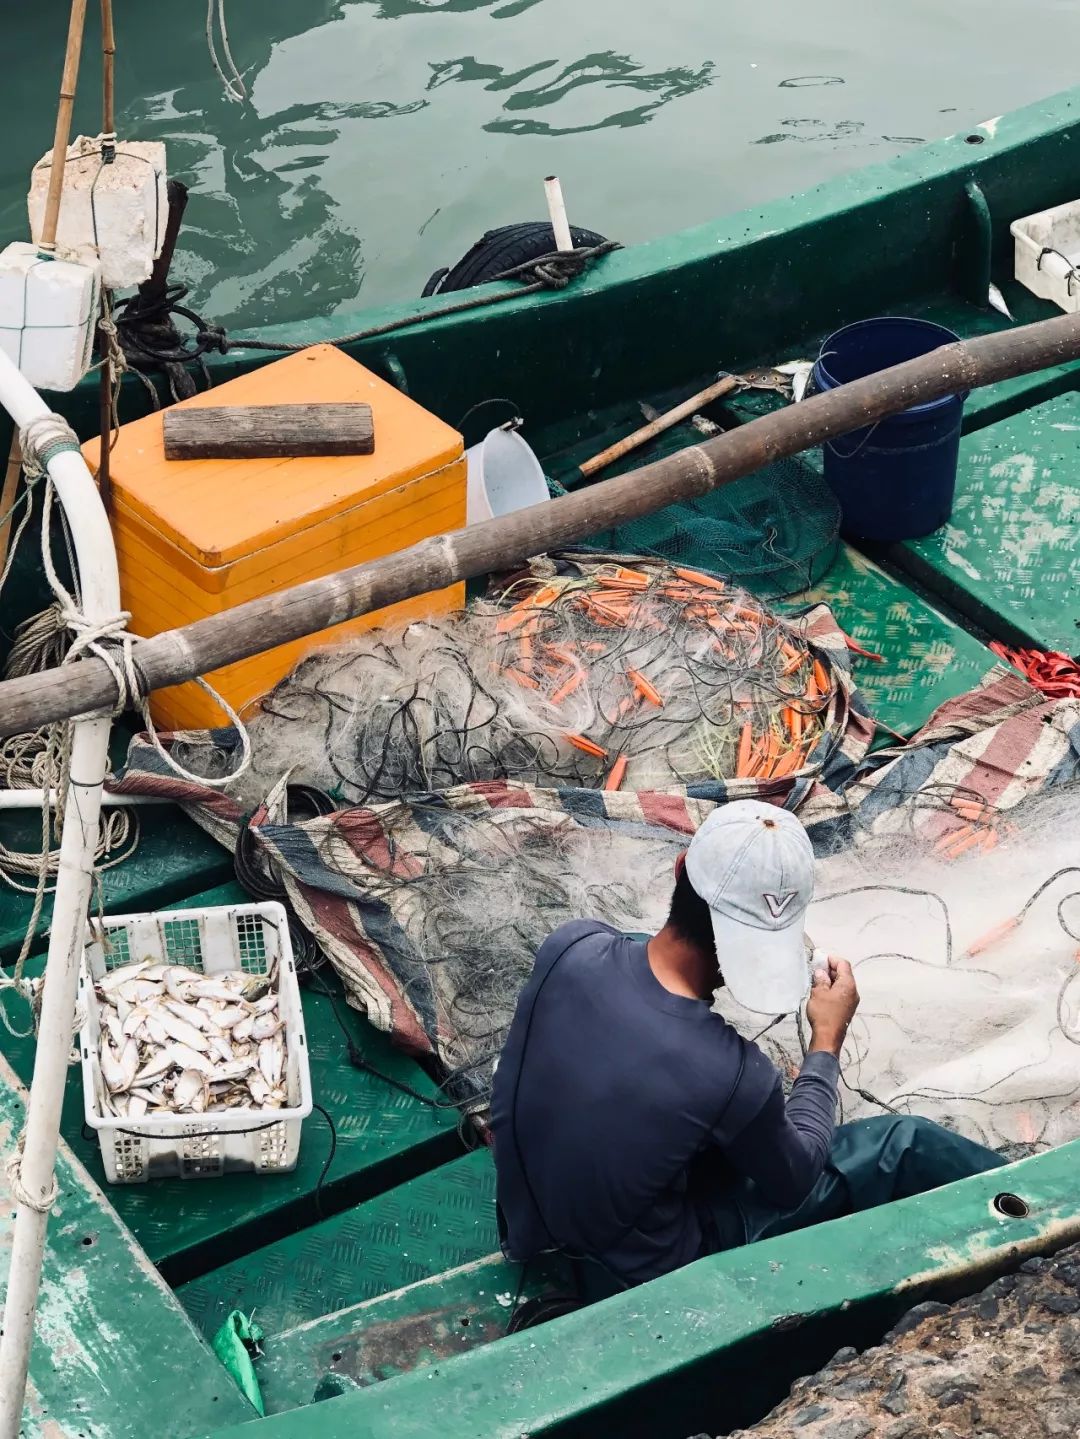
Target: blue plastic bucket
x,y
895,480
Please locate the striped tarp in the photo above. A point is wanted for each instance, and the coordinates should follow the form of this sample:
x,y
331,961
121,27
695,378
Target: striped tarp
x,y
357,879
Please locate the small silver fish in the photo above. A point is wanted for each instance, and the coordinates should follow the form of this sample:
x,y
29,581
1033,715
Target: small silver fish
x,y
265,1025
191,1091
112,1071
189,1013
211,987
221,1048
181,1031
178,982
244,1029
112,979
135,1021
229,1016
184,1058
272,1060
157,1032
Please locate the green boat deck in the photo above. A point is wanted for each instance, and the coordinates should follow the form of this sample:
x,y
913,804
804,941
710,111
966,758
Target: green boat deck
x,y
372,1267
114,1354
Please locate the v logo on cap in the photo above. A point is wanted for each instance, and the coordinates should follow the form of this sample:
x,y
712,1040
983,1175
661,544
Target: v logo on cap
x,y
779,902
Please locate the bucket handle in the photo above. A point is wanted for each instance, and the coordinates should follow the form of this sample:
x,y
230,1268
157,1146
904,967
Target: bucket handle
x,y
850,455
515,422
811,389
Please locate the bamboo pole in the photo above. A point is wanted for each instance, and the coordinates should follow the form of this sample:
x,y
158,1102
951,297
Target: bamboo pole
x,y
7,495
62,134
108,70
497,545
108,152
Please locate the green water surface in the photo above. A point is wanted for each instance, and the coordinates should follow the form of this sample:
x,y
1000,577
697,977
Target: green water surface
x,y
381,137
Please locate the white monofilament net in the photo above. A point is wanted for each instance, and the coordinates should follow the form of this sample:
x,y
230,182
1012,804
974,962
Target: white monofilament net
x,y
985,1042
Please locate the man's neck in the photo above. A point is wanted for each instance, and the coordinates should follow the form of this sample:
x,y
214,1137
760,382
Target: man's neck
x,y
681,967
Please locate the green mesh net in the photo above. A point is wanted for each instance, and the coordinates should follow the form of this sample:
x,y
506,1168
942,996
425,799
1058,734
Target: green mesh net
x,y
775,531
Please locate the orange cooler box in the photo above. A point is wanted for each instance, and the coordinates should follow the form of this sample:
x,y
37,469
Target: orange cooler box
x,y
195,537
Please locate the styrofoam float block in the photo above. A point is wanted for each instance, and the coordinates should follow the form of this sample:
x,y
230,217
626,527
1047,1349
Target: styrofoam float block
x,y
48,310
115,213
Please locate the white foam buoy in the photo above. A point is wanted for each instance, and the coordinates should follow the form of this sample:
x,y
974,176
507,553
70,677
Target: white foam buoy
x,y
504,475
48,311
112,212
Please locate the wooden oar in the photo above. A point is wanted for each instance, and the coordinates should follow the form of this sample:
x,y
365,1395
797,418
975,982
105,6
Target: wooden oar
x,y
499,544
663,422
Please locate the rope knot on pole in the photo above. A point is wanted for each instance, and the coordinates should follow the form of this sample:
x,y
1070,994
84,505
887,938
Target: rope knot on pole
x,y
40,1204
42,439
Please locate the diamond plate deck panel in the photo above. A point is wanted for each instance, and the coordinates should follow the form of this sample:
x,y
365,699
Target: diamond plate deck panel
x,y
384,1137
1010,556
114,1354
409,1329
437,1222
928,658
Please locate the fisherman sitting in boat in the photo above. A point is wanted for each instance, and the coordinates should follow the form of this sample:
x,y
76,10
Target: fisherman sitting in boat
x,y
635,1127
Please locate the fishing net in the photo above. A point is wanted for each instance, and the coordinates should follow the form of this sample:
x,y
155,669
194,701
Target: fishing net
x,y
774,532
583,671
431,902
966,957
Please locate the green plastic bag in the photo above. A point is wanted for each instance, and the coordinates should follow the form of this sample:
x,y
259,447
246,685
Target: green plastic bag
x,y
235,1344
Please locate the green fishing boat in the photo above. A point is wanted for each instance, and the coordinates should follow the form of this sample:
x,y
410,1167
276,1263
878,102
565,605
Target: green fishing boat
x,y
372,1269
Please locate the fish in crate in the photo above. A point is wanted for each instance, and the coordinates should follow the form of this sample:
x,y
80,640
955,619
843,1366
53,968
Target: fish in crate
x,y
193,1049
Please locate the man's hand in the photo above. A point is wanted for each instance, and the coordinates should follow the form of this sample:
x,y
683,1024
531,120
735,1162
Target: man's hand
x,y
831,1006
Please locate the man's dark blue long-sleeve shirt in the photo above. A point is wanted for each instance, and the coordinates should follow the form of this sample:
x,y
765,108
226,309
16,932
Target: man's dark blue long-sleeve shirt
x,y
610,1089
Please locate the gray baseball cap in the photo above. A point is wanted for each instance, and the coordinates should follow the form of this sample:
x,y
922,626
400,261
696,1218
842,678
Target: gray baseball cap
x,y
754,867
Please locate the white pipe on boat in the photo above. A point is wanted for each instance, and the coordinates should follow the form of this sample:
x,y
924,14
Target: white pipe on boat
x,y
34,798
557,210
100,586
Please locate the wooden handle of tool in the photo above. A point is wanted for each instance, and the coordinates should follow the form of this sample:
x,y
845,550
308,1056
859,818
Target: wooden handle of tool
x,y
62,133
659,425
7,495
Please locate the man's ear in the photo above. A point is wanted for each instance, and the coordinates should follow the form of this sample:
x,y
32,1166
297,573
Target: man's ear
x,y
680,864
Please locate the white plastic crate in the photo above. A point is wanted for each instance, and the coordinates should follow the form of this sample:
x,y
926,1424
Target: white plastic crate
x,y
248,937
1047,254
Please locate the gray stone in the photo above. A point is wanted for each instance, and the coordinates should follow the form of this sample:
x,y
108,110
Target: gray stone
x,y
902,1429
951,1397
942,1383
1061,1303
914,1317
1036,1266
1005,1285
847,1429
842,1356
895,1400
808,1415
988,1308
851,1387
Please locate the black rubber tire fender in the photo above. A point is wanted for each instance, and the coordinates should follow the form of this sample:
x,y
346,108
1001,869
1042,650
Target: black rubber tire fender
x,y
501,250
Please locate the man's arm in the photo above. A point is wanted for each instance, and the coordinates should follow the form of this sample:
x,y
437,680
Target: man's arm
x,y
784,1148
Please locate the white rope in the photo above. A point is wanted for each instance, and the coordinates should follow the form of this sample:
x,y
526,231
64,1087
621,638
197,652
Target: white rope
x,y
19,1192
111,642
235,89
